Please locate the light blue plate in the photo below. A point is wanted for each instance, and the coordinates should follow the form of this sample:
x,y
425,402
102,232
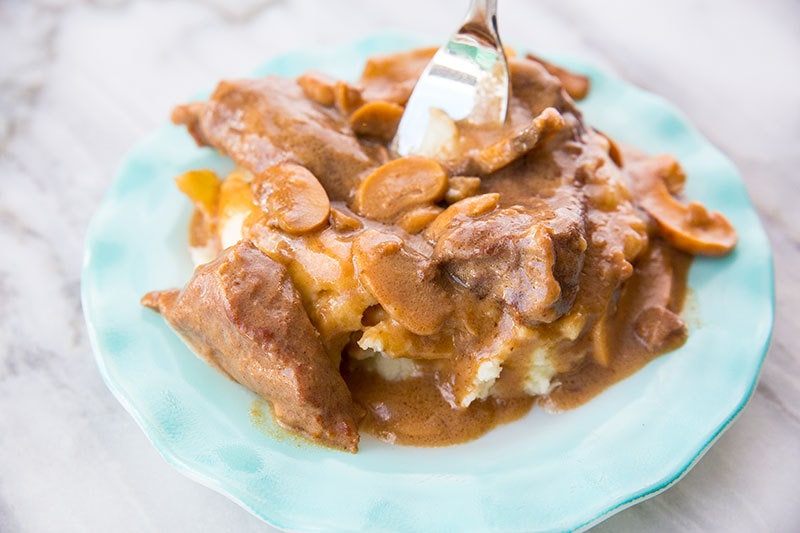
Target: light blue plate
x,y
545,472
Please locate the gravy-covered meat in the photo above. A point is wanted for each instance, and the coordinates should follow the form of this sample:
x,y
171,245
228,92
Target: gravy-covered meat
x,y
511,256
243,314
529,252
260,123
449,290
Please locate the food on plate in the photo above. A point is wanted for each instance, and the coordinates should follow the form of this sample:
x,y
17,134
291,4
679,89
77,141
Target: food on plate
x,y
426,299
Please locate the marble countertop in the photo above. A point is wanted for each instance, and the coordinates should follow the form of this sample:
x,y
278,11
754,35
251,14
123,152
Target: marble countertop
x,y
82,81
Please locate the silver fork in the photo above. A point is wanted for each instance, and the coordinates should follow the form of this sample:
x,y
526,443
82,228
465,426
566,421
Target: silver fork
x,y
467,79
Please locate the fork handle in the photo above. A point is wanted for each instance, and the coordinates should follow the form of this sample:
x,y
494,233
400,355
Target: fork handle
x,y
481,20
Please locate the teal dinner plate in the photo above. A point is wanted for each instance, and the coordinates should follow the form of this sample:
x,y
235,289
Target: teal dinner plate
x,y
542,473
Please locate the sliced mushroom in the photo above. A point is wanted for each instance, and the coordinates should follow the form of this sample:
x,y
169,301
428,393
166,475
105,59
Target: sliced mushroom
x,y
402,281
419,218
346,97
398,186
377,119
667,169
471,207
691,228
503,152
343,222
292,198
460,187
317,87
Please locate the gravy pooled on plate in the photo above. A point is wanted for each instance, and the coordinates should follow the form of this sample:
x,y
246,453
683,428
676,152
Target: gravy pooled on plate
x,y
427,299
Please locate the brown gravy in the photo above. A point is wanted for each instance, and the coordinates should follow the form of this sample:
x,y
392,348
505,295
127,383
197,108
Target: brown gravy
x,y
413,412
440,295
590,379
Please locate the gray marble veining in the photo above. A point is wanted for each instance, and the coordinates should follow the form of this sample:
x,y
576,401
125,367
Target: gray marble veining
x,y
81,82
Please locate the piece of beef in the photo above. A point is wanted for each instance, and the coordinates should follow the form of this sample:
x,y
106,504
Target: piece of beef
x,y
536,89
528,254
658,328
243,314
260,123
510,255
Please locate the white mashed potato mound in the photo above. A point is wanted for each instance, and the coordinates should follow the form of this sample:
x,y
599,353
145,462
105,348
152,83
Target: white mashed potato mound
x,y
540,373
389,368
538,381
485,378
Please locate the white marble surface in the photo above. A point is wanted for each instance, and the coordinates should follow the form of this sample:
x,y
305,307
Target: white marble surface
x,y
81,82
